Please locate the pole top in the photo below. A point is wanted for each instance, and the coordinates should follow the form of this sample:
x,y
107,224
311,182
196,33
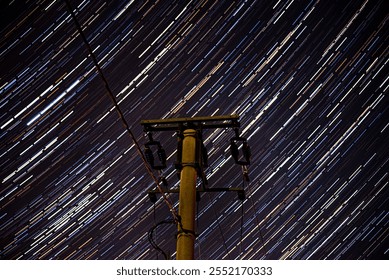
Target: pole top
x,y
195,122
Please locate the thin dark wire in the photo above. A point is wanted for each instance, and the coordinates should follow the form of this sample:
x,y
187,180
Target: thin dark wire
x,y
155,223
218,225
151,239
256,217
259,227
118,110
241,228
197,226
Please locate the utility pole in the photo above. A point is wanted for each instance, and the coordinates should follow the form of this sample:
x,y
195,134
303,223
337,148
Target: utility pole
x,y
187,197
190,163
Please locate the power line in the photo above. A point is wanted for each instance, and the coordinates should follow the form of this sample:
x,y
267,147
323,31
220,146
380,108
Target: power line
x,y
255,216
218,225
241,227
119,111
151,238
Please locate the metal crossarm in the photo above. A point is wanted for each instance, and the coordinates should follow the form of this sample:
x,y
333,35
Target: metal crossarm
x,y
183,123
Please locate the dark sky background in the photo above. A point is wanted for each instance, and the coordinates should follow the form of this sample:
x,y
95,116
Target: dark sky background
x,y
307,78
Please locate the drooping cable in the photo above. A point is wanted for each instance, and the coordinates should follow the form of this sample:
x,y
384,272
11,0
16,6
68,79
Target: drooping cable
x,y
119,111
249,196
155,223
241,227
218,225
151,238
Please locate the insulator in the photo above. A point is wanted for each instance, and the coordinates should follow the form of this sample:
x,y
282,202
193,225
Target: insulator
x,y
162,156
149,156
235,151
246,151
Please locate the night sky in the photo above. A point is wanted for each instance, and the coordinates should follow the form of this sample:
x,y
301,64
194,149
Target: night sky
x,y
307,78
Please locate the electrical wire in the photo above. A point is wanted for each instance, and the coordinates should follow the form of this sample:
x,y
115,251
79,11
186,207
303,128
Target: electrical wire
x,y
218,225
241,228
255,214
155,223
119,111
154,243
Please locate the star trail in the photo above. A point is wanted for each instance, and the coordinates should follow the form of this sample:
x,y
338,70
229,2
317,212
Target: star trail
x,y
309,80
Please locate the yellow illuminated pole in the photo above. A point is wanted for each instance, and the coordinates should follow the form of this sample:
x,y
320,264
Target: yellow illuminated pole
x,y
187,198
187,192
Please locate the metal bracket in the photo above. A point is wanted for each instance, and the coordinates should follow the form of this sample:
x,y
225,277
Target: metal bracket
x,y
180,124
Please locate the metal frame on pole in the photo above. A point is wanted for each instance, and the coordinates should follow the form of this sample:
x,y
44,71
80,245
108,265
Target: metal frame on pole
x,y
190,163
